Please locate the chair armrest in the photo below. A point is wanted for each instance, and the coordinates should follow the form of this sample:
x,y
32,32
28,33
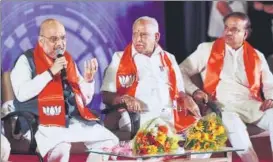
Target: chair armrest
x,y
134,117
110,108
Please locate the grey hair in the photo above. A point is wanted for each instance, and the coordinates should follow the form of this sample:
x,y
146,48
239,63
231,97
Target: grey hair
x,y
151,20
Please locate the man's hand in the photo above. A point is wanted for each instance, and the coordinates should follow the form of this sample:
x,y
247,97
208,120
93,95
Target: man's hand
x,y
190,105
200,97
90,68
58,65
223,7
267,104
133,105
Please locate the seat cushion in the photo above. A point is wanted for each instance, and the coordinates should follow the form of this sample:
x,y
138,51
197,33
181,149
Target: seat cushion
x,y
255,131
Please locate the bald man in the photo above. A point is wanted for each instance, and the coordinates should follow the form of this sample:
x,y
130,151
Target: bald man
x,y
46,81
147,80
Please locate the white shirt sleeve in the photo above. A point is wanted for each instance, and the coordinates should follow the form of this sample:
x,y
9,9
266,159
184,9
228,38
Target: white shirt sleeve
x,y
23,85
179,79
195,63
109,79
267,78
87,89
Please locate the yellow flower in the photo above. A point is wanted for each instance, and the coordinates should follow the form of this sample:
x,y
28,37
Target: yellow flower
x,y
174,144
211,137
204,137
219,130
152,149
199,126
191,136
175,139
196,135
197,146
161,138
211,125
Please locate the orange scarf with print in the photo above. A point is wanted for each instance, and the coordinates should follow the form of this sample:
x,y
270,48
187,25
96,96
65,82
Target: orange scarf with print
x,y
127,81
252,64
51,102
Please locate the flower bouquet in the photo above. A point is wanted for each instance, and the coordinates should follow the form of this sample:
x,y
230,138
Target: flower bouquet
x,y
206,134
154,137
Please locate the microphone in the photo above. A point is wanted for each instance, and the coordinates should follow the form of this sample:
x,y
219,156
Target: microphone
x,y
60,53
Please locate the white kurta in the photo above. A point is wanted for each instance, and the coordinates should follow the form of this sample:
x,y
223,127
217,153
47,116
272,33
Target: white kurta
x,y
232,89
25,88
153,84
216,24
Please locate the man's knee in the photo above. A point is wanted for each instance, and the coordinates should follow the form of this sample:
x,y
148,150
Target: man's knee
x,y
269,113
63,147
59,152
232,122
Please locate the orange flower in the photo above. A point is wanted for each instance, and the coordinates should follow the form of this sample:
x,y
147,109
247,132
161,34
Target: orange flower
x,y
140,134
167,147
163,129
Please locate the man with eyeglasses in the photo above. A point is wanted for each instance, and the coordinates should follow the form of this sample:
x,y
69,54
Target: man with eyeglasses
x,y
234,74
60,102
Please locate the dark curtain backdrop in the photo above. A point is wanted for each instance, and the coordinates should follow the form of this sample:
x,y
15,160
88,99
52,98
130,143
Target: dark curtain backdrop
x,y
186,26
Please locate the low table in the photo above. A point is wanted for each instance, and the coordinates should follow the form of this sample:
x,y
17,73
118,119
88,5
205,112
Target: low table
x,y
180,155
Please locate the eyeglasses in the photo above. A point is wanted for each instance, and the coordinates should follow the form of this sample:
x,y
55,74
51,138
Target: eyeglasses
x,y
54,39
232,30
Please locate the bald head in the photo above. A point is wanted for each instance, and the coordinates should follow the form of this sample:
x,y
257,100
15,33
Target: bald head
x,y
145,35
146,20
48,24
52,37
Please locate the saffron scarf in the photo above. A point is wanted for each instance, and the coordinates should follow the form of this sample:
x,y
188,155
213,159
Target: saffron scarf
x,y
51,102
127,81
215,63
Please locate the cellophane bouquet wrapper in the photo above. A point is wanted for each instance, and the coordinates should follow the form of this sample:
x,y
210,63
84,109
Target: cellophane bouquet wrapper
x,y
154,137
208,133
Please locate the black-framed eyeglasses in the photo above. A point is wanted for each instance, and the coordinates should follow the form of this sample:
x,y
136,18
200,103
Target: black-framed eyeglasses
x,y
54,39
